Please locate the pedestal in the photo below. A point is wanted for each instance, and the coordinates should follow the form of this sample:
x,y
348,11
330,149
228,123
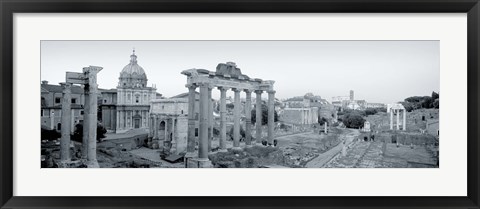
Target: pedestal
x,y
199,163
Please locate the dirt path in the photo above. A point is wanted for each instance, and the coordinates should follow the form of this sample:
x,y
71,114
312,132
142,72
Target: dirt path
x,y
323,158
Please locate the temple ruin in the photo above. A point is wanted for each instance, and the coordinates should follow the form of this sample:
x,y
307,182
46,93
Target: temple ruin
x,y
396,109
226,77
88,78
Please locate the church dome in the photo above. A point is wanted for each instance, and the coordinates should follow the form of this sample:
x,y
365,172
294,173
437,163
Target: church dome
x,y
133,74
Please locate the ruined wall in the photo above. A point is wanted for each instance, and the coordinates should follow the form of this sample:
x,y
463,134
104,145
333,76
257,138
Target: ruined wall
x,y
293,116
181,133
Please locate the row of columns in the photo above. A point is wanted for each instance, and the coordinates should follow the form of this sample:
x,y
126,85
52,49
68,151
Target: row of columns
x,y
397,111
205,132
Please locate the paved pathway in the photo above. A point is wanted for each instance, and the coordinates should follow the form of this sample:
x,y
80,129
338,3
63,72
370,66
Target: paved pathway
x,y
323,158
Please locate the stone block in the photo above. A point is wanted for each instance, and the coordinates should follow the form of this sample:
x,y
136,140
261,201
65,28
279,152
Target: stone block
x,y
198,163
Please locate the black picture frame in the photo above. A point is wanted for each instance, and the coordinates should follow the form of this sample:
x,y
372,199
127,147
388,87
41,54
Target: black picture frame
x,y
9,7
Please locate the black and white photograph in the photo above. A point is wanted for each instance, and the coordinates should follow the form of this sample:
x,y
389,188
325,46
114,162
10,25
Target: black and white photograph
x,y
240,104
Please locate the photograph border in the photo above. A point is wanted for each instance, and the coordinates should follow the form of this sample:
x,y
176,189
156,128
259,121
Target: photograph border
x,y
9,7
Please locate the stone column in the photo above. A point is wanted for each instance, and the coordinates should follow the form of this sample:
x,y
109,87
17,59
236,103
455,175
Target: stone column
x,y
92,115
191,118
210,119
52,119
258,116
131,119
165,135
66,120
236,119
118,121
125,120
404,119
391,119
155,127
398,119
203,129
248,117
173,130
223,118
86,121
271,112
72,124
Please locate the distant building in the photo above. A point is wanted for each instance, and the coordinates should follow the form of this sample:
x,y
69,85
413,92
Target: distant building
x,y
301,110
51,106
375,105
349,102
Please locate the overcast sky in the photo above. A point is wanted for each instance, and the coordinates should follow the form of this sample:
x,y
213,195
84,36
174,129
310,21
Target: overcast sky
x,y
378,71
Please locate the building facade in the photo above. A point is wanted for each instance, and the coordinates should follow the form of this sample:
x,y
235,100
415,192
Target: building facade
x,y
133,98
51,106
127,106
301,110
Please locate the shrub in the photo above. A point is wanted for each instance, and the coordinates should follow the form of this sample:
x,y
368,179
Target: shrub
x,y
242,133
322,120
49,134
352,120
370,111
78,133
264,115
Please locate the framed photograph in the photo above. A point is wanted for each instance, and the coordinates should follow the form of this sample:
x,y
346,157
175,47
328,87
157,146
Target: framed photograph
x,y
265,104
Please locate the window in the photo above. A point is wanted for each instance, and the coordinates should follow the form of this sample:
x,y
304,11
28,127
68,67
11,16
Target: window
x,y
104,101
41,113
81,112
182,112
57,100
59,126
137,99
74,100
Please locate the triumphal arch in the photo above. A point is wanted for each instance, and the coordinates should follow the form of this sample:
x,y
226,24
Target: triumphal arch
x,y
226,77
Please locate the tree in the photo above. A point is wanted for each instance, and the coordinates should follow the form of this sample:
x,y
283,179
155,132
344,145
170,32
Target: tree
x,y
436,104
49,134
435,95
352,120
230,106
78,133
370,111
322,120
264,115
